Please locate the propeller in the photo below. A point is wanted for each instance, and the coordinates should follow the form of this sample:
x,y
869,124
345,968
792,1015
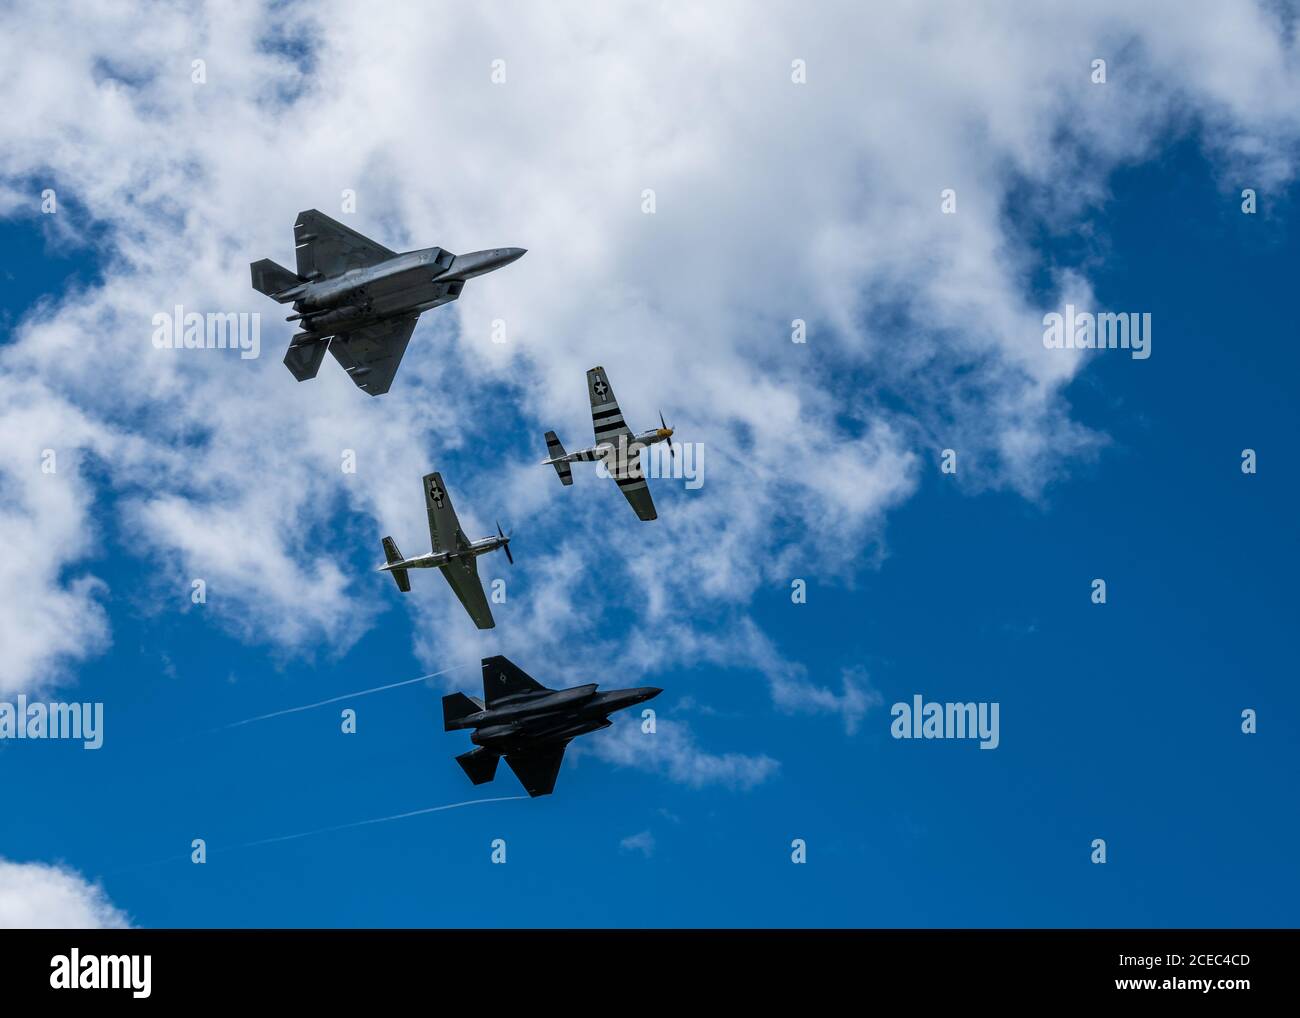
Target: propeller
x,y
668,435
505,543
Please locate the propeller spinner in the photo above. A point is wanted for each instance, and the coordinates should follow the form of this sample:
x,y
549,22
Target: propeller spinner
x,y
667,432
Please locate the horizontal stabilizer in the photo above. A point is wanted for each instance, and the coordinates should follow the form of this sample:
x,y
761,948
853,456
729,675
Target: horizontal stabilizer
x,y
479,764
304,356
392,555
272,279
456,707
556,451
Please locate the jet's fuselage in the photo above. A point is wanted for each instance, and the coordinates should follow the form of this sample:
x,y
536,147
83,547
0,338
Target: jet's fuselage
x,y
531,718
622,446
435,559
406,284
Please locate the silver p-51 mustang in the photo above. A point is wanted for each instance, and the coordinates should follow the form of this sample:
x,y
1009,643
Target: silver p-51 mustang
x,y
453,553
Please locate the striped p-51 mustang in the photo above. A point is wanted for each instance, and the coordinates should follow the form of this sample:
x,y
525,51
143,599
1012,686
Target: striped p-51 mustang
x,y
616,446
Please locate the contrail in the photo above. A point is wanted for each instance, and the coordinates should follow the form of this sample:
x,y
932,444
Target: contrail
x,y
363,823
322,830
336,699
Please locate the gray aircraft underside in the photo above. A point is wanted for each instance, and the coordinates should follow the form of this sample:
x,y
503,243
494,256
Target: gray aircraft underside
x,y
528,724
360,300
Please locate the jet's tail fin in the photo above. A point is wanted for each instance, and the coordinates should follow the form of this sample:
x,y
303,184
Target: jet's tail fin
x,y
273,280
479,764
556,451
305,354
402,577
456,707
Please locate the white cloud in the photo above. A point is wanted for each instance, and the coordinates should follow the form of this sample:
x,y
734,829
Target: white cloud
x,y
47,528
792,691
775,201
674,752
644,842
38,896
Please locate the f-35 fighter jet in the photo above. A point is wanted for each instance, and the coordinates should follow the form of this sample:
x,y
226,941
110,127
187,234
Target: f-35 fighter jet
x,y
615,444
360,299
528,724
453,553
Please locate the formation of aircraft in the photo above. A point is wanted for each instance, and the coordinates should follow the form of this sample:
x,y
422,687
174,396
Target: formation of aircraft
x,y
528,724
360,300
616,445
454,553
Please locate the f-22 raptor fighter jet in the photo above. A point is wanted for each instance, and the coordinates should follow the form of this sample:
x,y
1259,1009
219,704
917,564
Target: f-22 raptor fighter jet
x,y
453,553
360,299
528,724
615,444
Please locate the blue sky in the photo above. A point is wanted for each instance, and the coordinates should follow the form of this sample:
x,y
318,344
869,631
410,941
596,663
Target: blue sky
x,y
1118,721
776,201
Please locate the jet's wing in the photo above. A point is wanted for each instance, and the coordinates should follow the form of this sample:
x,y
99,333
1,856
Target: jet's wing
x,y
445,535
444,526
624,463
370,355
327,248
605,414
637,492
538,769
462,574
502,677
